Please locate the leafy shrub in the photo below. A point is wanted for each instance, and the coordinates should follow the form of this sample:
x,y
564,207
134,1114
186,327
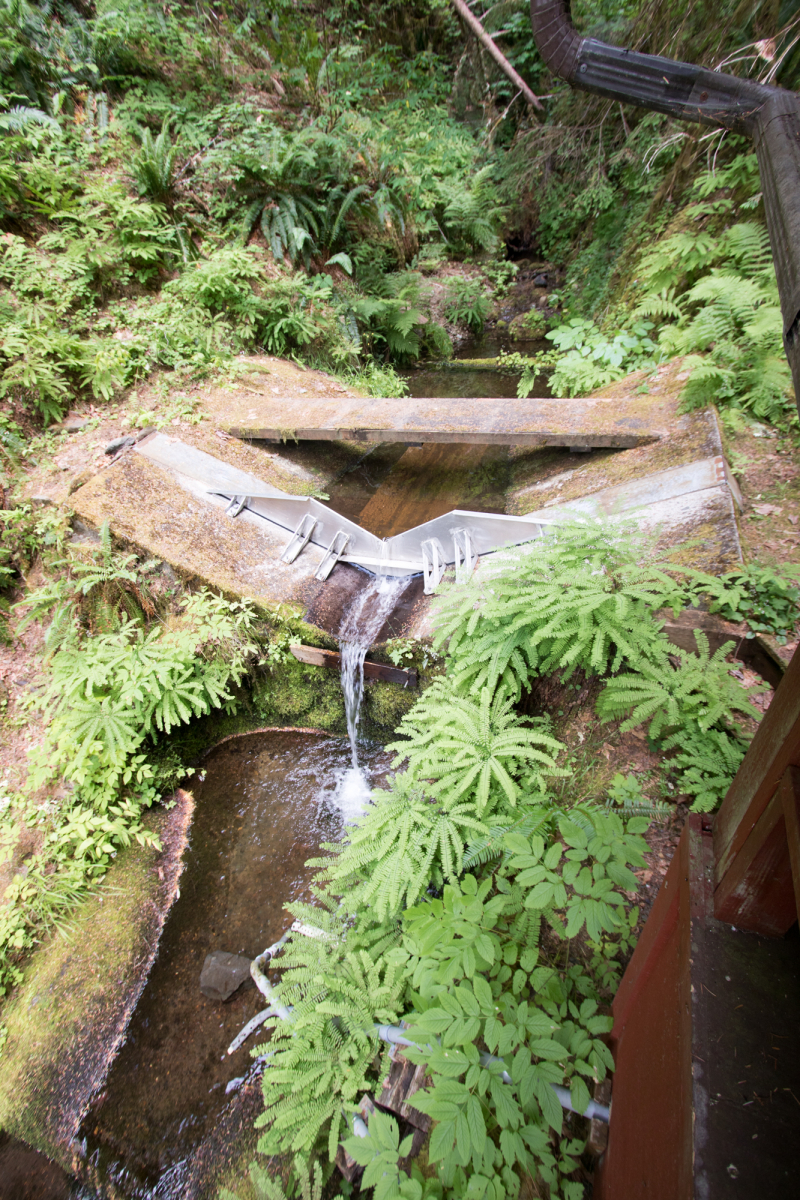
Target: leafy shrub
x,y
501,274
584,597
470,214
379,1152
699,692
475,969
704,763
466,303
279,313
765,597
588,359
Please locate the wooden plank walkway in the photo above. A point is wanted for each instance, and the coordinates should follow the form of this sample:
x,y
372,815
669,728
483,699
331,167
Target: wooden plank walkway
x,y
579,423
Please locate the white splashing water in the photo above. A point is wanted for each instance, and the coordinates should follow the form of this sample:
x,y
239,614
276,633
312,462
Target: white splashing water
x,y
360,626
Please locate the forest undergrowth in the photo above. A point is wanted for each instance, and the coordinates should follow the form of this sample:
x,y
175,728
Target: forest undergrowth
x,y
180,185
478,900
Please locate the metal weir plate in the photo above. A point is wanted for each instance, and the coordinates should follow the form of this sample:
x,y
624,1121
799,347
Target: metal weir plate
x,y
458,538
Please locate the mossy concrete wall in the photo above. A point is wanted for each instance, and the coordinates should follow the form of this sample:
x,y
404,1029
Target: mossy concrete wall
x,y
66,1021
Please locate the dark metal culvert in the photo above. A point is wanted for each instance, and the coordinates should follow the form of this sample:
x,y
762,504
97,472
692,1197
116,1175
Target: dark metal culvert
x,y
769,115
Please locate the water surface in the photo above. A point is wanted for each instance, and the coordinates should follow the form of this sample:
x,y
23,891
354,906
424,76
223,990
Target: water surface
x,y
267,802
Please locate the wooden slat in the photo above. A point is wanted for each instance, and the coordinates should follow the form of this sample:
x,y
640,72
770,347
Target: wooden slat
x,y
315,656
775,747
579,422
757,891
404,1079
790,796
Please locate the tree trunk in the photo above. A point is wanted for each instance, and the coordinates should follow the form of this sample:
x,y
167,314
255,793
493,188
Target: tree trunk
x,y
500,58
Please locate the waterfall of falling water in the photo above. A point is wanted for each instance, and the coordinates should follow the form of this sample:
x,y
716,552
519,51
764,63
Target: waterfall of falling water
x,y
360,626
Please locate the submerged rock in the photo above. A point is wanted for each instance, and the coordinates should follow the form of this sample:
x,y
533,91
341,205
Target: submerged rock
x,y
222,974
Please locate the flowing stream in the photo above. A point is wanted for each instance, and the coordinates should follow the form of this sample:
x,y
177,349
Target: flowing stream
x,y
360,626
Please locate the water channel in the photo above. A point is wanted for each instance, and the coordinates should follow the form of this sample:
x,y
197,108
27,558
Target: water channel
x,y
264,803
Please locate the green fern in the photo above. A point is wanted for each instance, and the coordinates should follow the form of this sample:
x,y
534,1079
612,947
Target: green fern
x,y
268,1187
581,597
97,595
476,752
402,843
319,1060
699,691
720,298
153,166
705,763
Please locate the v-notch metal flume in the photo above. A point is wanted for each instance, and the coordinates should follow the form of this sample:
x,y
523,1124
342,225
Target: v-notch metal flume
x,y
457,538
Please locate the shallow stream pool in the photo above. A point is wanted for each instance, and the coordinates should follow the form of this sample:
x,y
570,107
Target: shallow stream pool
x,y
266,803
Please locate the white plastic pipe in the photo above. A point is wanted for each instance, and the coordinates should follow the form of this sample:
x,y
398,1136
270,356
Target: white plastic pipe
x,y
250,1027
397,1036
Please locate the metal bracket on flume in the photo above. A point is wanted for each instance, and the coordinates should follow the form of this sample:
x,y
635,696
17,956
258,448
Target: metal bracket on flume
x,y
464,554
332,554
236,505
299,539
433,564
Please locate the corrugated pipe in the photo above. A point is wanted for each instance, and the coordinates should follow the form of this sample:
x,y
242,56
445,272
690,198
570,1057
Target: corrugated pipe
x,y
769,115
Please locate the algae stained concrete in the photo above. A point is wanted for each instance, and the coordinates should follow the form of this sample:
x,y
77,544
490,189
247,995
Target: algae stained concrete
x,y
67,1020
707,538
147,508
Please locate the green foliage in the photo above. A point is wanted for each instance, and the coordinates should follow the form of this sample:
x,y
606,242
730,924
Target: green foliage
x,y
767,598
700,691
378,1152
98,594
267,1187
704,763
588,359
107,700
393,318
713,282
501,275
402,844
153,166
579,597
25,533
320,1058
474,751
467,304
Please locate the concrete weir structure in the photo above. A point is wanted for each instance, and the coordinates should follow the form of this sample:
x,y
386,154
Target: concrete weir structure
x,y
229,528
221,511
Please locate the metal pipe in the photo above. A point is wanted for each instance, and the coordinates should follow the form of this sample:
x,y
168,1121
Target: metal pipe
x,y
769,115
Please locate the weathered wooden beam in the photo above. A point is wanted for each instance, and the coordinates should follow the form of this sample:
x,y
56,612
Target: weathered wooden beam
x,y
315,656
581,421
403,1081
775,747
758,890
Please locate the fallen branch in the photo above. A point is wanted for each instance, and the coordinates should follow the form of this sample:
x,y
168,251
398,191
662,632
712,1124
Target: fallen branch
x,y
505,66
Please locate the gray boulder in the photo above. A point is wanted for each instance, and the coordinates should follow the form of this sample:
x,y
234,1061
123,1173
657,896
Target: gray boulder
x,y
222,974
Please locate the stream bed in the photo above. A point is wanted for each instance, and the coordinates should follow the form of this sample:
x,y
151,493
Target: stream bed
x,y
266,802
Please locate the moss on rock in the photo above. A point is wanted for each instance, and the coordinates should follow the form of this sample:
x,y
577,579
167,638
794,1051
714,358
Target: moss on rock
x,y
529,326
